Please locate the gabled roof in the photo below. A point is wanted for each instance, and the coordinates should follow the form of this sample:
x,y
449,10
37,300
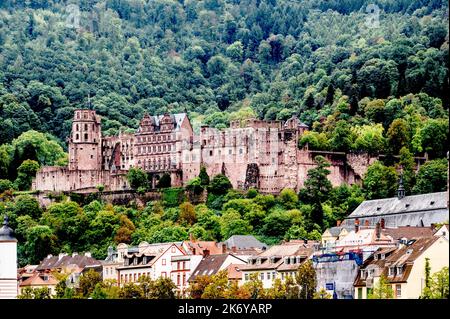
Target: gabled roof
x,y
211,265
38,280
244,242
394,205
177,118
64,261
336,230
199,246
400,257
408,232
273,258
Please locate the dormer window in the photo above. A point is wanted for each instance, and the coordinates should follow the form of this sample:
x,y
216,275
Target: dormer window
x,y
399,270
135,261
375,257
363,273
383,256
391,271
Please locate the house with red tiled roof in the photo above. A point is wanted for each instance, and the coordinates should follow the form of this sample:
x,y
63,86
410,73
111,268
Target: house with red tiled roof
x,y
403,266
152,260
279,261
40,280
212,264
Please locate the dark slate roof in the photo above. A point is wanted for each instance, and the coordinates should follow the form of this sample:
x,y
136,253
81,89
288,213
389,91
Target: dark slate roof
x,y
54,262
6,233
424,208
244,242
335,231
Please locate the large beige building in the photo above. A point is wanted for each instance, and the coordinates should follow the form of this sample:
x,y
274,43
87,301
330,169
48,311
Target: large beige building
x,y
404,267
251,153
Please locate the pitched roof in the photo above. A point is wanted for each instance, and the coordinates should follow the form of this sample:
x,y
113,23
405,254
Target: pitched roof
x,y
273,258
400,257
38,280
408,232
52,262
394,205
234,272
211,265
199,246
244,242
336,230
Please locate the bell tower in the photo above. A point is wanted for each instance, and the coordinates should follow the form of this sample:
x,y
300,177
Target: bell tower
x,y
85,151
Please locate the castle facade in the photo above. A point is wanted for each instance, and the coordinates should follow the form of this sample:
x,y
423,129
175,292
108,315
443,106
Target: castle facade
x,y
251,153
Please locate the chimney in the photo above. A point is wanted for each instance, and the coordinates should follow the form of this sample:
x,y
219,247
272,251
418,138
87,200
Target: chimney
x,y
401,189
194,251
382,223
234,249
356,225
338,223
224,248
205,252
378,230
191,237
366,223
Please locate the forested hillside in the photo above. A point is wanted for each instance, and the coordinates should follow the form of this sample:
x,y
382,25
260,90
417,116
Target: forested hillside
x,y
274,58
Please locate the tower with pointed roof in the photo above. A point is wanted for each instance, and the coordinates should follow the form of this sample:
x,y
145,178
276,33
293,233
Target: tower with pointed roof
x,y
8,262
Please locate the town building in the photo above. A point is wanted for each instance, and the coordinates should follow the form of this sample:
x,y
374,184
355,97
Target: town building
x,y
151,260
40,280
333,234
251,153
416,210
212,264
336,272
8,262
403,266
279,261
364,239
244,242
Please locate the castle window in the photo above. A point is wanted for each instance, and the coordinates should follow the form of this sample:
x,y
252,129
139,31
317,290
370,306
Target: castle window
x,y
211,153
229,151
77,127
85,137
85,127
77,136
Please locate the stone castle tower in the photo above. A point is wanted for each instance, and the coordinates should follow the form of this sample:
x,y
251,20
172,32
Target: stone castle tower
x,y
85,148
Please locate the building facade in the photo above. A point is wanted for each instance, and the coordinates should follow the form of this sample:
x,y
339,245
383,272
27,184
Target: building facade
x,y
251,153
8,262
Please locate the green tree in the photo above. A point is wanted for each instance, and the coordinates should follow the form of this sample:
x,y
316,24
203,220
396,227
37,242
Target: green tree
x,y
204,177
5,185
137,178
219,185
382,289
380,181
187,213
25,173
317,188
88,282
434,137
432,177
398,135
165,181
306,279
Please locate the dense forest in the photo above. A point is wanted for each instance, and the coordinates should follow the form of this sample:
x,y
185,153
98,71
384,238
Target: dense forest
x,y
363,80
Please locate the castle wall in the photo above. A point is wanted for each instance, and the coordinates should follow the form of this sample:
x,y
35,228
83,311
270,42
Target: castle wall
x,y
266,150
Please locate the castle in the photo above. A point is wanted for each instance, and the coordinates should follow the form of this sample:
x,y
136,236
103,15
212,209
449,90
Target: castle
x,y
251,153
